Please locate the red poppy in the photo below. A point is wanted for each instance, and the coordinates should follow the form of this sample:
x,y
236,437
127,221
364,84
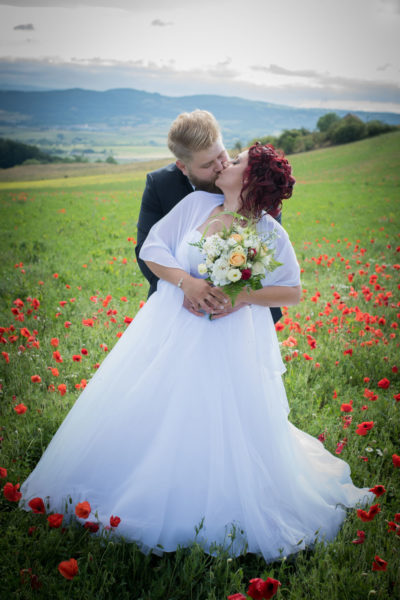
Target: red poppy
x,y
360,537
62,388
379,564
237,597
397,397
83,509
3,473
128,320
92,526
55,520
114,521
68,568
57,356
363,428
307,356
20,408
67,324
263,590
6,356
88,322
37,506
384,383
55,372
347,407
36,378
378,490
76,357
396,460
397,517
25,332
54,342
84,351
11,492
370,515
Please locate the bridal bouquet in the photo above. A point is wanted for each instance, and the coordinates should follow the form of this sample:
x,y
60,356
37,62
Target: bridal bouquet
x,y
236,258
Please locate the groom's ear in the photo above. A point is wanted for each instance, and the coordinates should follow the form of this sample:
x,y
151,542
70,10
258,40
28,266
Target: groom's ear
x,y
181,166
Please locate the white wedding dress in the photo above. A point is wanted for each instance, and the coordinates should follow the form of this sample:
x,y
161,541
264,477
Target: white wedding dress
x,y
185,424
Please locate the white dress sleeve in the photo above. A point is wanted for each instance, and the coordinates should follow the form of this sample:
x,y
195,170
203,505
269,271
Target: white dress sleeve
x,y
161,244
288,274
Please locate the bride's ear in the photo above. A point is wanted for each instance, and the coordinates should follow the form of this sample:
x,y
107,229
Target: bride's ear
x,y
181,166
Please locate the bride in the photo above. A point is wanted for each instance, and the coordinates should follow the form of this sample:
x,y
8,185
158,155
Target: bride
x,y
183,432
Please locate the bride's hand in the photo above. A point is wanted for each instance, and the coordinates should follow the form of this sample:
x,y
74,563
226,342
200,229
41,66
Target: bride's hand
x,y
228,310
201,296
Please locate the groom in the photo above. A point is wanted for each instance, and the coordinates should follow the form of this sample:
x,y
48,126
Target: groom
x,y
195,140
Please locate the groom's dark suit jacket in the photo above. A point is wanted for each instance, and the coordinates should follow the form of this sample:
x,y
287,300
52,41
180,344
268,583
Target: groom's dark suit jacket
x,y
164,188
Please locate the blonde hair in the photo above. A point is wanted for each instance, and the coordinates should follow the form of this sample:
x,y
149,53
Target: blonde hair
x,y
192,132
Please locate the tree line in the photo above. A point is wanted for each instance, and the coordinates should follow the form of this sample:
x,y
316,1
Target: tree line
x,y
331,130
16,153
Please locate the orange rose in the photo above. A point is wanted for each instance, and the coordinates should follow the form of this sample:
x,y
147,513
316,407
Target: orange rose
x,y
237,237
237,259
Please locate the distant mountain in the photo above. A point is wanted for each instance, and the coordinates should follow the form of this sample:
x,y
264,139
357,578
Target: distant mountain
x,y
115,109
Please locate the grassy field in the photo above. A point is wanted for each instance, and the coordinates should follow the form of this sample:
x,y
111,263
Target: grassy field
x,y
68,272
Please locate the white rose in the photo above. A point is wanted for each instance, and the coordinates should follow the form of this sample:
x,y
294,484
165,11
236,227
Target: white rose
x,y
234,275
202,269
258,268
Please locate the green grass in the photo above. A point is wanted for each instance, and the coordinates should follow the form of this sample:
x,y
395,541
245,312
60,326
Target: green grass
x,y
343,220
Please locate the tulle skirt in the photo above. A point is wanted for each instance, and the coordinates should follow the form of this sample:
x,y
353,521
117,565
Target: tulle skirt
x,y
183,434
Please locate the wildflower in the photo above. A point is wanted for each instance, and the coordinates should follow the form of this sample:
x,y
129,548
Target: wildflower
x,y
3,473
347,407
378,490
54,342
11,492
20,408
396,460
114,521
384,383
62,388
68,568
379,564
36,378
360,537
263,590
55,520
37,506
370,515
83,509
363,428
92,526
57,356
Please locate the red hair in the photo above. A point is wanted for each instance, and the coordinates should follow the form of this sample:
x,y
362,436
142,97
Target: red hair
x,y
267,181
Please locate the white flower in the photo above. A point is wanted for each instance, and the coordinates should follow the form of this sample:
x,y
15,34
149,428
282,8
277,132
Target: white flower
x,y
258,268
234,275
202,269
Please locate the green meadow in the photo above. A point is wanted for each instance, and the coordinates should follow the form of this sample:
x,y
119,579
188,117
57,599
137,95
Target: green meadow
x,y
68,271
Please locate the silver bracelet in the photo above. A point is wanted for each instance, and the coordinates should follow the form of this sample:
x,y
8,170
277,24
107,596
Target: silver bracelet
x,y
180,282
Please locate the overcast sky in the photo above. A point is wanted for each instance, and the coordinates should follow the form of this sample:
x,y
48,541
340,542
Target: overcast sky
x,y
325,53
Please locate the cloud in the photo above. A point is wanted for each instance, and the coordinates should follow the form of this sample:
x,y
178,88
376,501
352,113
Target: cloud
x,y
277,70
131,5
27,27
160,23
392,6
99,74
384,67
338,86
